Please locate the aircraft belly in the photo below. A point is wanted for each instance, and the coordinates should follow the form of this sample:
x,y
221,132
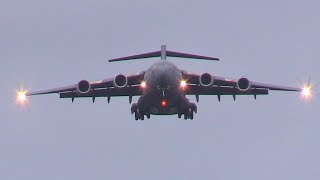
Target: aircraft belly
x,y
163,111
171,107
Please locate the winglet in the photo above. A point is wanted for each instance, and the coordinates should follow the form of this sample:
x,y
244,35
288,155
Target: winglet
x,y
164,54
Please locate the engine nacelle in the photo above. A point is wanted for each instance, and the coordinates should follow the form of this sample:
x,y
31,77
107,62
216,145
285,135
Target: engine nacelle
x,y
243,84
83,86
120,81
206,79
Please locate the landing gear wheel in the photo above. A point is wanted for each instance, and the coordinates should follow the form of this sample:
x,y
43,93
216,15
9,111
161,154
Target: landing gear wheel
x,y
134,108
191,115
136,115
193,107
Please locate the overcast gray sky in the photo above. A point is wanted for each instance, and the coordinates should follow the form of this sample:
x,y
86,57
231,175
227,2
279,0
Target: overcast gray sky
x,y
47,44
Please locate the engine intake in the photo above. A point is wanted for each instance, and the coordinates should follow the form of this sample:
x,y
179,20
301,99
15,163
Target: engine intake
x,y
120,81
206,79
243,84
83,86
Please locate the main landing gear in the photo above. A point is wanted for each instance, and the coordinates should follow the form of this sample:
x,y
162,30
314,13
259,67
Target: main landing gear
x,y
138,114
188,112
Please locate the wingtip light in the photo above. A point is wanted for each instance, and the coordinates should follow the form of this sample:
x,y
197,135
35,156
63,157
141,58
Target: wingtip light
x,y
21,97
306,92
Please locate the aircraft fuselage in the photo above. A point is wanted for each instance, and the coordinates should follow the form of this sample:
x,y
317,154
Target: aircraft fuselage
x,y
163,94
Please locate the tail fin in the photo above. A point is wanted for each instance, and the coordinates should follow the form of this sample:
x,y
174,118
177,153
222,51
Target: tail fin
x,y
164,54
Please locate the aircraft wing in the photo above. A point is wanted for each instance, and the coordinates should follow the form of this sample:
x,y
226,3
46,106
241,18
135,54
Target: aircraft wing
x,y
229,86
103,88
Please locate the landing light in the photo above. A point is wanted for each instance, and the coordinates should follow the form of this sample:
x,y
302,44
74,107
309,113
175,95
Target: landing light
x,y
183,84
143,84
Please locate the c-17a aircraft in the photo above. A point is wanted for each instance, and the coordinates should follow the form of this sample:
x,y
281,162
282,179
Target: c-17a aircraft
x,y
163,87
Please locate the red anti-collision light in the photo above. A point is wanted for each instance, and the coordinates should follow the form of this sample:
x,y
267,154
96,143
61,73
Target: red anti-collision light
x,y
163,103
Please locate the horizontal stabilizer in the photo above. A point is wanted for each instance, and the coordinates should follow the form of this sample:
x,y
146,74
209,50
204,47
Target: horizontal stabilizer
x,y
139,56
192,56
163,54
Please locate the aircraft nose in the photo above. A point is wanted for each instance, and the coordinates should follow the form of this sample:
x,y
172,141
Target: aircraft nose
x,y
164,79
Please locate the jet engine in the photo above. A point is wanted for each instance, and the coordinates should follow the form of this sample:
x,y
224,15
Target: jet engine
x,y
243,84
83,86
120,81
206,79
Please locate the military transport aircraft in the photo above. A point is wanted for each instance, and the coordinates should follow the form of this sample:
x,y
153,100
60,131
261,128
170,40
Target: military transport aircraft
x,y
163,87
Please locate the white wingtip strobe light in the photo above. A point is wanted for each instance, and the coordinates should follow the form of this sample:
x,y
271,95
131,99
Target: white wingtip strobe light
x,y
21,97
306,92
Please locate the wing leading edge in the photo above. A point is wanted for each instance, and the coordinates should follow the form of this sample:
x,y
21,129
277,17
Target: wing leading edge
x,y
103,88
229,86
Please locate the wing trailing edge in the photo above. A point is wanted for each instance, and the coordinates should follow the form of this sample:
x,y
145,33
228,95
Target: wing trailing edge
x,y
164,54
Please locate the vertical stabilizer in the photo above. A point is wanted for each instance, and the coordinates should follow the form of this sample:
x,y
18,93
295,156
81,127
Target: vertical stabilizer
x,y
163,52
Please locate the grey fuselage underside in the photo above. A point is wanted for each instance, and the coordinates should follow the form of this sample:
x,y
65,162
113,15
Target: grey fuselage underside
x,y
163,83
